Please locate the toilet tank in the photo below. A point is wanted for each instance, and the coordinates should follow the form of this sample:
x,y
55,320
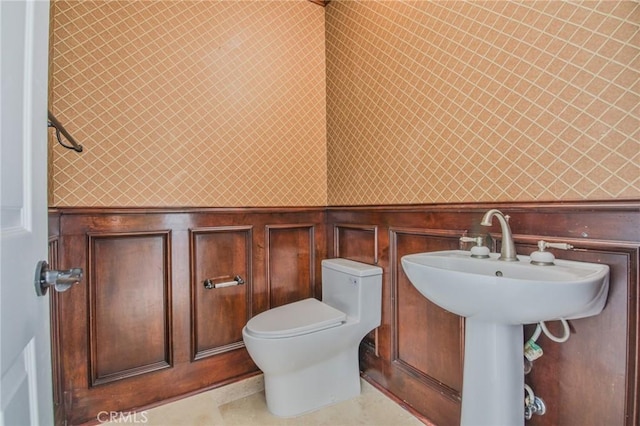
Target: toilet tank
x,y
354,288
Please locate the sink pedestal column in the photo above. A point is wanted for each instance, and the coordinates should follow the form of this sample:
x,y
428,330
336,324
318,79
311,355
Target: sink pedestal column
x,y
493,381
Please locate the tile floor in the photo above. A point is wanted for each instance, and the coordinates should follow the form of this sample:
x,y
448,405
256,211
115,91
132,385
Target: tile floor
x,y
243,404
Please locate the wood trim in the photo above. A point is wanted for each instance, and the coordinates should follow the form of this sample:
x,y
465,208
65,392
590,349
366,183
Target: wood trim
x,y
631,205
398,401
56,348
632,408
115,210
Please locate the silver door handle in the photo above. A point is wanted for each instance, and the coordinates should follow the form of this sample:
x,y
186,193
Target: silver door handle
x,y
59,280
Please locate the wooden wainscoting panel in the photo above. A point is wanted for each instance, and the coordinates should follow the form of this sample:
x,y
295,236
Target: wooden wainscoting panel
x,y
129,304
359,243
427,341
356,242
219,314
592,378
166,254
290,261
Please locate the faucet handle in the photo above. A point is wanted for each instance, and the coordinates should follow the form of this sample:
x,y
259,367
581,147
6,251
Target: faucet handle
x,y
542,245
545,258
479,251
477,240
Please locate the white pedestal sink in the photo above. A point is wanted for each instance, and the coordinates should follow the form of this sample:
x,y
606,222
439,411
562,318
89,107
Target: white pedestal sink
x,y
497,298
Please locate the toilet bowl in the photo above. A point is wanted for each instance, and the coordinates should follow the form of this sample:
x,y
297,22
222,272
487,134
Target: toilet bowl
x,y
308,350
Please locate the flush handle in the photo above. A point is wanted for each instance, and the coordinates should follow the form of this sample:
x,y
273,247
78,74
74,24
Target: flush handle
x,y
59,280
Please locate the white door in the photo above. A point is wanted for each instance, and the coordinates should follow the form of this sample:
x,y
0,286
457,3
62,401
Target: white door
x,y
25,347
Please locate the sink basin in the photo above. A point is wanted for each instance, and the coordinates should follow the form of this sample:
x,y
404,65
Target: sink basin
x,y
497,297
508,292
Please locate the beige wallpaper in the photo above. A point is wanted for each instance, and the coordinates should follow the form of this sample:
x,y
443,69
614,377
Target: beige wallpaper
x,y
222,103
459,101
190,103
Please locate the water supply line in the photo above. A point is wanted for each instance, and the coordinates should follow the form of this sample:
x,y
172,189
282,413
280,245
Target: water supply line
x,y
532,403
530,395
532,351
542,328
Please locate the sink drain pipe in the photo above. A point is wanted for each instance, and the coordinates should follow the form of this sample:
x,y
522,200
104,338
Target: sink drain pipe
x,y
533,404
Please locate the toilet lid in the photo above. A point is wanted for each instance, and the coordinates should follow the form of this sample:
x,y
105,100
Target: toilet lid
x,y
296,318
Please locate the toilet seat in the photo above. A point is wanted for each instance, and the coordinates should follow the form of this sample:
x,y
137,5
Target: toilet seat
x,y
302,317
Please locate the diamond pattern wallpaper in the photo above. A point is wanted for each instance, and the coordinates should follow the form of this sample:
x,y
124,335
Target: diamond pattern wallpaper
x,y
287,103
469,101
190,103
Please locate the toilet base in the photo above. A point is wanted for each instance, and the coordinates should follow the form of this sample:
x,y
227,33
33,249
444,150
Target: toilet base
x,y
315,386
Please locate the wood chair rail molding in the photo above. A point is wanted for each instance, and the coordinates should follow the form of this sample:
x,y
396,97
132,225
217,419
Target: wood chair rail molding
x,y
147,266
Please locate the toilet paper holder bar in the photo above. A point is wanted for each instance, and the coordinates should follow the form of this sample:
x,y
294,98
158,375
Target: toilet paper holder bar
x,y
209,284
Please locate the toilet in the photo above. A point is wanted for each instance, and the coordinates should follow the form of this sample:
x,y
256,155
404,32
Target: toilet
x,y
308,350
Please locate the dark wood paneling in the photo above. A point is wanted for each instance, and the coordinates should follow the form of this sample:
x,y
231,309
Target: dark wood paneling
x,y
56,350
427,339
426,342
600,354
356,242
219,314
290,263
221,355
601,357
129,304
359,243
591,378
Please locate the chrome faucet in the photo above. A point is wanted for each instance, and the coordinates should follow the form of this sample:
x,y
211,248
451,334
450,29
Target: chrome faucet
x,y
508,249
